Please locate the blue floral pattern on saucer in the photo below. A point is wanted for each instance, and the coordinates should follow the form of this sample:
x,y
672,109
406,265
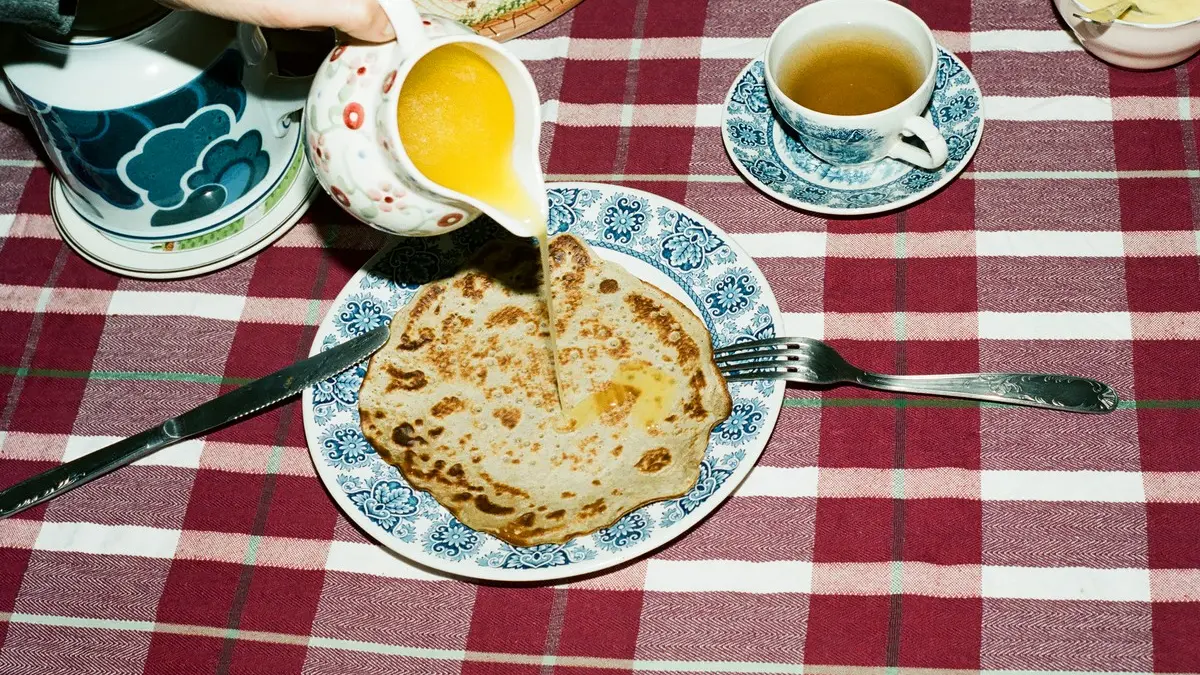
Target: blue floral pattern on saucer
x,y
770,156
654,238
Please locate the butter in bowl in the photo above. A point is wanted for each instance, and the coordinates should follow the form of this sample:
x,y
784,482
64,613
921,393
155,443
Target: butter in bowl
x,y
1151,34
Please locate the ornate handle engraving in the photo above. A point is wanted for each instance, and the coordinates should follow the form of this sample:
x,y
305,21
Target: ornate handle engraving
x,y
80,471
62,486
1058,392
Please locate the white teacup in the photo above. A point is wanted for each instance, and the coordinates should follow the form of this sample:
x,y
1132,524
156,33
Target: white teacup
x,y
860,139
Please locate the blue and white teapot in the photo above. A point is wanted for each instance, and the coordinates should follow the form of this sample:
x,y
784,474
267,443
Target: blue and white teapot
x,y
162,124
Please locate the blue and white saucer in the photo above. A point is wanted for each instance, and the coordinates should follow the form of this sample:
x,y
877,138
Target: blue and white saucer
x,y
768,154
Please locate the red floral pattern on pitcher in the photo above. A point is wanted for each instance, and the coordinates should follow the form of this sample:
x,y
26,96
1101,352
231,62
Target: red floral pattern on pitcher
x,y
353,115
450,220
367,182
320,153
340,196
387,196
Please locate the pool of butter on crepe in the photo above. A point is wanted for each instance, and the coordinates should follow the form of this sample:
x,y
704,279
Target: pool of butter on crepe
x,y
462,399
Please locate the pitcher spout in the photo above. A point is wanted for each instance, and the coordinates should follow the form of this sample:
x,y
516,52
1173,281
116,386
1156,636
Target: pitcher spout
x,y
524,214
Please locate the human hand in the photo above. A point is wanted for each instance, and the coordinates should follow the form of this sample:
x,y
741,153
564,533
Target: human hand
x,y
363,19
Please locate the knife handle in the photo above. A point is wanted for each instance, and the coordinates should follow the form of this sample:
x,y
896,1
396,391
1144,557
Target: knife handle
x,y
76,472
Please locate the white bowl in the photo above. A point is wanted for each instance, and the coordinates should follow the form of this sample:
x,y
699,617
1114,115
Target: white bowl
x,y
1141,46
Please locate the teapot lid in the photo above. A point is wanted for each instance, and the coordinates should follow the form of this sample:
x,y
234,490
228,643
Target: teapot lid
x,y
99,21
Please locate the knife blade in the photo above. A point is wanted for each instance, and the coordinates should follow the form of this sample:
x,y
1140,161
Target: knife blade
x,y
244,401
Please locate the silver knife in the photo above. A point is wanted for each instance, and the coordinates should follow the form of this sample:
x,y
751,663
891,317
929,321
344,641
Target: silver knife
x,y
241,402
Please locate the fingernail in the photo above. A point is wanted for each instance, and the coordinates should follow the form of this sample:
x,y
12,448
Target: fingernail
x,y
388,31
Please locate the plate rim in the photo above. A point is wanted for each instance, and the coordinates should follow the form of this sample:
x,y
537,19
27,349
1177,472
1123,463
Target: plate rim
x,y
915,197
625,557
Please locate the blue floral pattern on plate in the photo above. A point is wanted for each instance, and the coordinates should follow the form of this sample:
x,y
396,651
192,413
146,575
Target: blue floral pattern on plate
x,y
538,557
659,240
385,499
345,446
634,528
624,216
361,314
690,245
714,473
565,206
451,539
744,420
733,294
338,394
770,155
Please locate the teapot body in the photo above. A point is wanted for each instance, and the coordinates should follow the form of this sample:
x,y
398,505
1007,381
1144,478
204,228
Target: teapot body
x,y
348,145
163,127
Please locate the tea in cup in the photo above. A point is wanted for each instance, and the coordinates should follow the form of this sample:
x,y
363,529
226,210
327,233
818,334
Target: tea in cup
x,y
853,78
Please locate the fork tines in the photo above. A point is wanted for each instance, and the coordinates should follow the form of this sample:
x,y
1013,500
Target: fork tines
x,y
762,359
767,344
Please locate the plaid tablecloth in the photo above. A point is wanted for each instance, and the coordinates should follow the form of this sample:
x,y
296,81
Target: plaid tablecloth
x,y
879,534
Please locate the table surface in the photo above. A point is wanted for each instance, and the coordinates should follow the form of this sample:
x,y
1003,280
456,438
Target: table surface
x,y
879,534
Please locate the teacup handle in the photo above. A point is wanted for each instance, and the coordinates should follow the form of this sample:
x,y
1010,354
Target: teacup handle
x,y
935,151
408,24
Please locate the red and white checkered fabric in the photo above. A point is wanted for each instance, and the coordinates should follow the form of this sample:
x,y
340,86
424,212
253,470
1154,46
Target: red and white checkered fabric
x,y
879,534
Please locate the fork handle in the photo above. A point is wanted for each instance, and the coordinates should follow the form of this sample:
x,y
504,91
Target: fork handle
x,y
1057,392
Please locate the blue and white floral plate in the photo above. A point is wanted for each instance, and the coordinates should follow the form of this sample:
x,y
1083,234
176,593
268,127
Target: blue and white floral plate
x,y
768,154
655,239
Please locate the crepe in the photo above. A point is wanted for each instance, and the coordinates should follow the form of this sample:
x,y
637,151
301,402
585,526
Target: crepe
x,y
462,398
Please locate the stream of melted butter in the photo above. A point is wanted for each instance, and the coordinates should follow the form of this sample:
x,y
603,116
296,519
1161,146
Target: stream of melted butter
x,y
458,125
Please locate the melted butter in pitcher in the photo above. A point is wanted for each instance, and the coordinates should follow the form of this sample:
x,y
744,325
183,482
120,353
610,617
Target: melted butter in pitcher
x,y
637,391
458,126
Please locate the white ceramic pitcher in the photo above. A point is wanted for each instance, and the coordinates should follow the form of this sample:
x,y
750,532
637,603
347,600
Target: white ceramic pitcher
x,y
353,136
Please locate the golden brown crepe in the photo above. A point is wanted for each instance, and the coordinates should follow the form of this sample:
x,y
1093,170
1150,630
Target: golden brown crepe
x,y
462,398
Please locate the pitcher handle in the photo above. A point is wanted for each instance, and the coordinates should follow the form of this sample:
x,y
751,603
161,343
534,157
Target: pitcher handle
x,y
282,95
409,26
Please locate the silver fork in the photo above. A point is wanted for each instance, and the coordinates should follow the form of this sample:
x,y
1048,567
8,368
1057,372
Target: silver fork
x,y
809,361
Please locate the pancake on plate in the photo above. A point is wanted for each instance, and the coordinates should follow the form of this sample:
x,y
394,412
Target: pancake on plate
x,y
462,398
